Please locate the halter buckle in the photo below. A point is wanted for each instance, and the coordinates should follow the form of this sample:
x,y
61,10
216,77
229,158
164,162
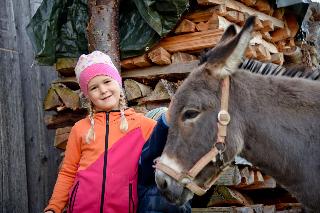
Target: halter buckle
x,y
224,117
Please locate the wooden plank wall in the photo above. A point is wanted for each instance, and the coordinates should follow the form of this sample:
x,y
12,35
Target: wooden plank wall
x,y
28,160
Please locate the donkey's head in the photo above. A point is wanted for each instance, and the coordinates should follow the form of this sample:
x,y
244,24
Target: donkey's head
x,y
193,119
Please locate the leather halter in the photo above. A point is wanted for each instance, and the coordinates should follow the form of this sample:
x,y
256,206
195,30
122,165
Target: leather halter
x,y
187,178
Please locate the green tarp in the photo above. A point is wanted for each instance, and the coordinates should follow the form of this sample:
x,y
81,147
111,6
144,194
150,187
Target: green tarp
x,y
58,28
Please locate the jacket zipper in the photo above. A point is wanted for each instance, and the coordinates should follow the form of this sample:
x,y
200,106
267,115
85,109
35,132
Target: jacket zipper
x,y
105,164
131,202
73,197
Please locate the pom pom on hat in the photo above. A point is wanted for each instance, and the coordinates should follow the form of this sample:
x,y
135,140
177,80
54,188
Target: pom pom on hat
x,y
94,64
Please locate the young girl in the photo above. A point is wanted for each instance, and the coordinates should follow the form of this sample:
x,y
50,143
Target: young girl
x,y
100,170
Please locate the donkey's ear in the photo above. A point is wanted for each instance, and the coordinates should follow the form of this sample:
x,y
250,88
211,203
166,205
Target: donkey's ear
x,y
237,47
229,33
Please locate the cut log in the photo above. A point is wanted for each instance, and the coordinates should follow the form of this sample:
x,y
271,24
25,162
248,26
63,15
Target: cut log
x,y
164,91
63,119
277,58
238,6
69,97
249,3
258,177
52,100
257,25
292,24
213,22
202,26
263,6
229,177
204,15
61,137
267,26
160,56
280,34
235,16
142,61
262,53
284,206
293,55
266,36
257,36
70,82
65,66
128,63
180,57
250,52
223,195
144,108
278,13
134,89
257,39
192,41
185,26
268,183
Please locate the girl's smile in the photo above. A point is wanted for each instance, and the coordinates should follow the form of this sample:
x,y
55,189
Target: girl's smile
x,y
104,93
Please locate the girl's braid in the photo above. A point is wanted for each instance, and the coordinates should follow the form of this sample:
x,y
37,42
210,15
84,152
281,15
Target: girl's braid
x,y
123,106
90,135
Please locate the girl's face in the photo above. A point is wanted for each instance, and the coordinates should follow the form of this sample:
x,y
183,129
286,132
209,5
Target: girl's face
x,y
104,93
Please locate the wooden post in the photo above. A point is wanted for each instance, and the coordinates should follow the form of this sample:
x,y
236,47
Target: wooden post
x,y
102,29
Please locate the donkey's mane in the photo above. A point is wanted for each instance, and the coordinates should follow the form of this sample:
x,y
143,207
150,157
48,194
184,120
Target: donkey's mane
x,y
264,68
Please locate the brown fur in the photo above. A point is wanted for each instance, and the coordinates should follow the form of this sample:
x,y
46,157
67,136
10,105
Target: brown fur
x,y
275,124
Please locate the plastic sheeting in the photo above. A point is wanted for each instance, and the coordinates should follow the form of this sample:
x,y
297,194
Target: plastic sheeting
x,y
58,28
144,22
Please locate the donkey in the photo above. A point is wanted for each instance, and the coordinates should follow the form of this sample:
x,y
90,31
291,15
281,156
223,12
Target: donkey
x,y
272,121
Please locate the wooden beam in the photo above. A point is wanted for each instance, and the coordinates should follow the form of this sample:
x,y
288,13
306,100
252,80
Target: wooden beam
x,y
155,71
192,41
238,6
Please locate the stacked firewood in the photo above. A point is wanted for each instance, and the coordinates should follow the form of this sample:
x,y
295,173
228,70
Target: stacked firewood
x,y
150,80
244,188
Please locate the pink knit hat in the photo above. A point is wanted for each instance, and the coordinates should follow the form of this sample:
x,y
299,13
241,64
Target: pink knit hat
x,y
93,64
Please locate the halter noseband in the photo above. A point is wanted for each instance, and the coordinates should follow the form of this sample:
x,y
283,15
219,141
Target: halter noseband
x,y
187,179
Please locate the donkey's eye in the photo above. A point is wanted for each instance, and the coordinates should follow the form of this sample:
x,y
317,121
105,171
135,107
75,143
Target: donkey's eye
x,y
189,114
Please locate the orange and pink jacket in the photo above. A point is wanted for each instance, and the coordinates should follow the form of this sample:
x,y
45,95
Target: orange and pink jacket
x,y
102,176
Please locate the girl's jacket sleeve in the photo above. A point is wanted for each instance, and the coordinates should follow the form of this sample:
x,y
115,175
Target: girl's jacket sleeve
x,y
151,150
66,174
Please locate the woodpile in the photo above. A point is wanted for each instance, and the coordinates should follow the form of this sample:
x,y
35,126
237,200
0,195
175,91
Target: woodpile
x,y
244,188
151,79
